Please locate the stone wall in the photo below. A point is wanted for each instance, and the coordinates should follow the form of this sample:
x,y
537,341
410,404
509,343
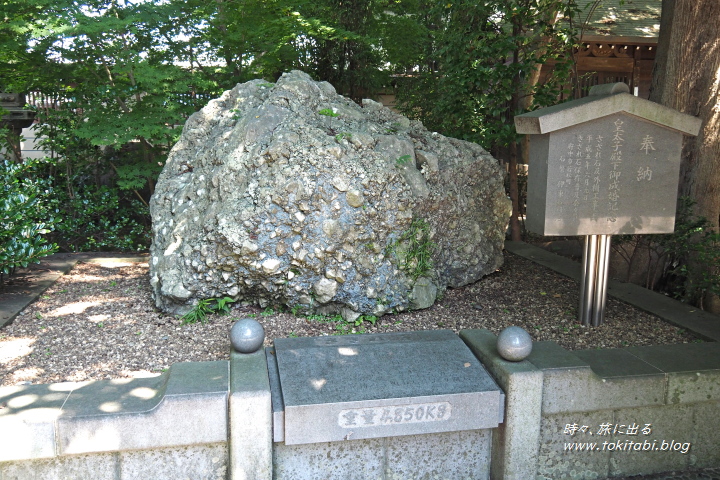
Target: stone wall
x,y
213,420
663,399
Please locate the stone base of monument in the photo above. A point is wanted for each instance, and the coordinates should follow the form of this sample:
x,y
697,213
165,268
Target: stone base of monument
x,y
380,402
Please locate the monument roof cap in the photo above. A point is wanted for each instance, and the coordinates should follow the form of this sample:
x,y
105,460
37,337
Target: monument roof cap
x,y
604,101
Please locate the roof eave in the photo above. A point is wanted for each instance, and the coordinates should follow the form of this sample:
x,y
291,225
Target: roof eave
x,y
575,112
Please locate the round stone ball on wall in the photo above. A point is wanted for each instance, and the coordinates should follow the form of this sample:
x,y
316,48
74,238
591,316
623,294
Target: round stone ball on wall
x,y
514,344
247,335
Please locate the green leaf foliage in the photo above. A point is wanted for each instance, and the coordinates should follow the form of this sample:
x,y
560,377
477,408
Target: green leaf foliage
x,y
684,264
206,307
478,59
24,217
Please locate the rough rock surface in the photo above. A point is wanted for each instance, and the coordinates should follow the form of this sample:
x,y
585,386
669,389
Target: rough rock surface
x,y
289,194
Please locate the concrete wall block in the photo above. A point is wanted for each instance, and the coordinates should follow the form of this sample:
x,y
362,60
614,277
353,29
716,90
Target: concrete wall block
x,y
30,413
556,461
516,441
187,406
693,387
672,425
455,455
521,430
29,439
197,462
250,417
74,467
350,460
580,390
705,449
177,420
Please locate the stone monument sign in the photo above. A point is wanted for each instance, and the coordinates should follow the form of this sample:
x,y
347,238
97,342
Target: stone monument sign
x,y
379,385
607,164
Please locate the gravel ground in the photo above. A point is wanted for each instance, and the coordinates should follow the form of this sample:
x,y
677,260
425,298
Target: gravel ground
x,y
99,322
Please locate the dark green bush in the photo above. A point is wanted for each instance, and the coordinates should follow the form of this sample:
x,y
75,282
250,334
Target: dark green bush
x,y
684,264
100,193
24,216
99,219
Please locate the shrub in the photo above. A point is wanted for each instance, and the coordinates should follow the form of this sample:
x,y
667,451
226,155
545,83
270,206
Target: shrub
x,y
99,192
24,217
96,219
684,264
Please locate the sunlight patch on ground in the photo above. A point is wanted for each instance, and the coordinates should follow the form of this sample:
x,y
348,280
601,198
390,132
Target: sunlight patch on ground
x,y
25,375
112,263
141,373
85,278
74,308
145,393
16,348
110,407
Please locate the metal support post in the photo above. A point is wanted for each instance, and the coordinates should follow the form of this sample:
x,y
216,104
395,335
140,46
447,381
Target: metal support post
x,y
593,285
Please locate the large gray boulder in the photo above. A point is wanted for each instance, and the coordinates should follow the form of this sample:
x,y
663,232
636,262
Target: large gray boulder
x,y
289,194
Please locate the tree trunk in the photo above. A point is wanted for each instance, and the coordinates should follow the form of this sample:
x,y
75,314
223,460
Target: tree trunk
x,y
686,77
14,144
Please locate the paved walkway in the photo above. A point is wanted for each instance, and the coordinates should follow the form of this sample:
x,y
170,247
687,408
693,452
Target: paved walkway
x,y
29,283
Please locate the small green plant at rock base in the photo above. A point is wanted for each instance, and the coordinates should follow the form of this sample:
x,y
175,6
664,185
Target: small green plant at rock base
x,y
207,306
199,312
404,160
223,305
325,318
372,319
328,112
414,249
342,135
393,128
267,312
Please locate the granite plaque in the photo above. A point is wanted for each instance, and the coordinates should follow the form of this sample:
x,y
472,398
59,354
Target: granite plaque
x,y
611,176
606,164
381,385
